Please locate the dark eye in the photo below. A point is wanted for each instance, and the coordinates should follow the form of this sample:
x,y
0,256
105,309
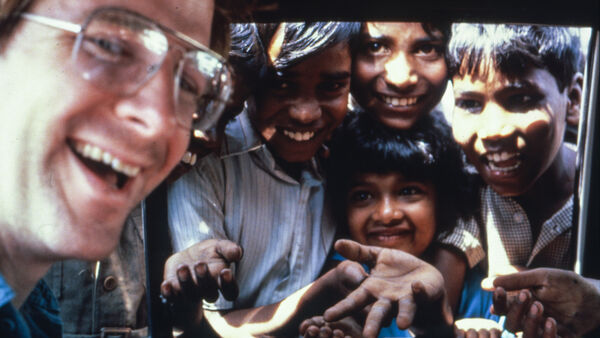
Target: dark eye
x,y
188,85
469,105
374,47
429,50
521,102
410,191
333,87
106,48
360,196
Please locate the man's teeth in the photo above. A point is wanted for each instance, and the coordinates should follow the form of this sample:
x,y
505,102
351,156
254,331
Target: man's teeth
x,y
95,153
494,158
400,101
299,136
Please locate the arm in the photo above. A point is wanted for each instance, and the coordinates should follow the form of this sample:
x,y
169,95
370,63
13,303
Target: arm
x,y
452,264
573,301
284,318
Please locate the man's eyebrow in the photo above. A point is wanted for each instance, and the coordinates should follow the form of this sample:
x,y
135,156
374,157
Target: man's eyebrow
x,y
341,75
520,84
379,37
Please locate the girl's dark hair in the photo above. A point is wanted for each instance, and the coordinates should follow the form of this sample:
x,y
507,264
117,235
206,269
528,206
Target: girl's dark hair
x,y
426,153
513,49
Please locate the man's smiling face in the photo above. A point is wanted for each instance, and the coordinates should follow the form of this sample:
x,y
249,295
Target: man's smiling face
x,y
77,158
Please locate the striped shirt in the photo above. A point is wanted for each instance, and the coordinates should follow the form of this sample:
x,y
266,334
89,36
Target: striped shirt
x,y
510,240
244,197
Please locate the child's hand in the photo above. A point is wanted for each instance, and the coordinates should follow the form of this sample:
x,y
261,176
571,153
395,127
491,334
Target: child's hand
x,y
398,283
318,327
562,295
210,262
477,328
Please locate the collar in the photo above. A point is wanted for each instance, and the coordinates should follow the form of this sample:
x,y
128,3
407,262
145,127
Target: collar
x,y
6,292
241,138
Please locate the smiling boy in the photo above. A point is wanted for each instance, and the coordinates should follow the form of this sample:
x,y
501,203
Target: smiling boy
x,y
87,130
515,86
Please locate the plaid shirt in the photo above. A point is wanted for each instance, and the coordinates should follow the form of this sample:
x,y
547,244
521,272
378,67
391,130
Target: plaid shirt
x,y
509,237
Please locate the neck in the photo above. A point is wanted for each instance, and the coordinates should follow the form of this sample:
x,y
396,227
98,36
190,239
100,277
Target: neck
x,y
552,190
19,267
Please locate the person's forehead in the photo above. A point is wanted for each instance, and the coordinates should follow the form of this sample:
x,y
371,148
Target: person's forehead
x,y
393,29
190,17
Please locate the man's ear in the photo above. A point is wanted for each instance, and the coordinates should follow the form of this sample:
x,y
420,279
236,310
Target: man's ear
x,y
574,95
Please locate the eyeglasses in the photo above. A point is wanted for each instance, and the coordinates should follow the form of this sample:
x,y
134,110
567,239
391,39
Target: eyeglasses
x,y
119,51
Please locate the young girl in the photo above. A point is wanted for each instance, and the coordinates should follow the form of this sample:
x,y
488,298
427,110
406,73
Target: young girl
x,y
401,189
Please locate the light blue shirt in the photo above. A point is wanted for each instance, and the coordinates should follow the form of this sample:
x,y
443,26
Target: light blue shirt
x,y
244,197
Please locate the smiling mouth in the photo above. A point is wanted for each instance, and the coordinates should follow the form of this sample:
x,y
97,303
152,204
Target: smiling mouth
x,y
299,136
105,165
504,161
399,102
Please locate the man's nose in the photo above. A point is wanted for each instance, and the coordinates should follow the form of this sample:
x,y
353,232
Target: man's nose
x,y
387,211
152,108
398,71
305,110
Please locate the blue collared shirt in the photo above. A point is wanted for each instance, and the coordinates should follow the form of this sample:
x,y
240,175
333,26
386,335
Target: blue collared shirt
x,y
38,317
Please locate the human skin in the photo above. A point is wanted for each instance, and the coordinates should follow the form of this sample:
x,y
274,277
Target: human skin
x,y
303,104
511,129
399,72
389,211
54,205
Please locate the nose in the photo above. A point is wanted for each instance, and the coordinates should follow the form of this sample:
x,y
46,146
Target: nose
x,y
494,128
387,211
151,109
305,110
399,72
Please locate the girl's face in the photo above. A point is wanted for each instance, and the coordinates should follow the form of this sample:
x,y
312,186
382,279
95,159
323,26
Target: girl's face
x,y
389,211
399,72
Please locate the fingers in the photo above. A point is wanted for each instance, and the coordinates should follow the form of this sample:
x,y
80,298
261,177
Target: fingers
x,y
355,301
206,283
500,302
550,328
533,321
228,285
188,287
521,280
379,314
517,310
357,252
229,250
406,312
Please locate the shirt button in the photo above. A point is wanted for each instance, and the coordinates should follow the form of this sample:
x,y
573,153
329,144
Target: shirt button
x,y
110,283
518,217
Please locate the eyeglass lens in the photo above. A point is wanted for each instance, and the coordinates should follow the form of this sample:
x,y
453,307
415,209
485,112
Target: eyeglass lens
x,y
119,51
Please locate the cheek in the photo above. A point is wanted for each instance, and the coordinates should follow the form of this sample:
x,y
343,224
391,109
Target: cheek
x,y
463,129
435,73
357,224
363,72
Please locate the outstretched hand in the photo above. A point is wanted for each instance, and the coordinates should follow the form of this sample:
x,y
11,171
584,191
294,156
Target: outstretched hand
x,y
561,295
398,283
198,273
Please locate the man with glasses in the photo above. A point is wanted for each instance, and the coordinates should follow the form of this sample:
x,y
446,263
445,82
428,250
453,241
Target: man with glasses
x,y
97,107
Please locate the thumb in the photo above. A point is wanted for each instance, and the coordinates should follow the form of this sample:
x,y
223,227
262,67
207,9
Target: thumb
x,y
229,250
357,252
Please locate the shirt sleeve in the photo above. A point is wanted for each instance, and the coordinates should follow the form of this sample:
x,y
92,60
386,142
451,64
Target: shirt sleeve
x,y
195,210
196,203
466,237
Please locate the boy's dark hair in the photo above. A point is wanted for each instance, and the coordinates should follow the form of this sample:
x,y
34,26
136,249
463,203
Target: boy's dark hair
x,y
513,49
304,39
426,153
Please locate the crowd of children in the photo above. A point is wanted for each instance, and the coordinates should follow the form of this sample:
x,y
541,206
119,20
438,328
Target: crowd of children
x,y
340,197
292,177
